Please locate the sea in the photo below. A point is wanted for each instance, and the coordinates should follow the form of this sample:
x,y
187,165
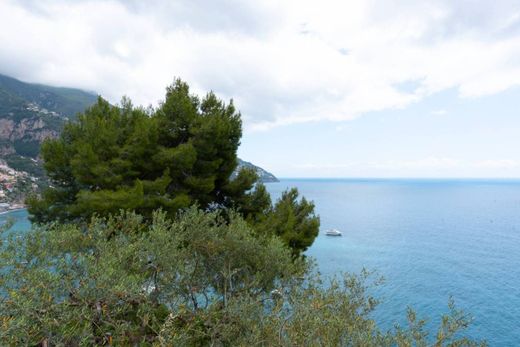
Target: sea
x,y
431,240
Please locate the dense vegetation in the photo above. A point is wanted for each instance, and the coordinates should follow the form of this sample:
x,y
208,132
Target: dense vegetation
x,y
146,238
202,280
182,153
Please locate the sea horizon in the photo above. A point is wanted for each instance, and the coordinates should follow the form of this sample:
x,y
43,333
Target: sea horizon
x,y
404,178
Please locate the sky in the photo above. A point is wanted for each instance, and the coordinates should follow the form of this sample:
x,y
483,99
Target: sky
x,y
325,88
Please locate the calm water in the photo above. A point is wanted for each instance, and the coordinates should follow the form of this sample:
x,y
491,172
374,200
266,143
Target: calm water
x,y
429,239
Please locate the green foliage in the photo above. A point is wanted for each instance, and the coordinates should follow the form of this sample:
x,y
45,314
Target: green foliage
x,y
120,276
195,281
182,153
293,221
123,157
7,224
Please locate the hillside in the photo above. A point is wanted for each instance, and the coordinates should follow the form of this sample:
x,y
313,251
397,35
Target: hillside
x,y
29,113
264,175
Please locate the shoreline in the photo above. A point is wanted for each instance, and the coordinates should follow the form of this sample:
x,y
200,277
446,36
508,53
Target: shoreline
x,y
12,210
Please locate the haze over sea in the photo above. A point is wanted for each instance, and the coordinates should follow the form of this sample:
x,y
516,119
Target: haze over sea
x,y
430,239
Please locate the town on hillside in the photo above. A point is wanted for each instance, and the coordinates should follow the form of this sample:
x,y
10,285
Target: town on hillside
x,y
14,187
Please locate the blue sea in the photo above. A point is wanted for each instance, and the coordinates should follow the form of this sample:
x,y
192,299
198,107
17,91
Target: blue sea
x,y
429,239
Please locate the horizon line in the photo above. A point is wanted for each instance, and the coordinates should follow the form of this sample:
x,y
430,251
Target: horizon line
x,y
397,178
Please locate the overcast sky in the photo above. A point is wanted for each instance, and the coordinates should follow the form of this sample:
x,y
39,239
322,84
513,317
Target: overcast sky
x,y
326,88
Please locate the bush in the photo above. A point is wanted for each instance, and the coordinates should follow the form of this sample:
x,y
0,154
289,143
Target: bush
x,y
195,281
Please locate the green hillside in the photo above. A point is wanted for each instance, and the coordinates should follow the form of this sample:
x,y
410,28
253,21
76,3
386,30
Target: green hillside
x,y
29,113
264,175
64,101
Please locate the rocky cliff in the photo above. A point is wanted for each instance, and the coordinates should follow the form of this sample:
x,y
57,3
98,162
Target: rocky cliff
x,y
23,136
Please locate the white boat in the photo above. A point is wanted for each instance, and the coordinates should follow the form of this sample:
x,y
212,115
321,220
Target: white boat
x,y
333,232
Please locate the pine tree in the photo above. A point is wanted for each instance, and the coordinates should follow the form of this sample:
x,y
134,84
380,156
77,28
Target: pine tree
x,y
180,154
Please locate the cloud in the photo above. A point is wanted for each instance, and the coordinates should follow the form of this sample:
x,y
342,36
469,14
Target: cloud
x,y
283,62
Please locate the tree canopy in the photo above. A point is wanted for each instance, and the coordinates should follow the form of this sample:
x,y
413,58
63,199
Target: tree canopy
x,y
117,157
180,154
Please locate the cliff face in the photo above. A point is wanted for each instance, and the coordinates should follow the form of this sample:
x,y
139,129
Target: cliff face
x,y
27,132
6,149
30,128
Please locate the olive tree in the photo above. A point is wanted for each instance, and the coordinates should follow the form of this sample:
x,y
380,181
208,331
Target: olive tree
x,y
203,279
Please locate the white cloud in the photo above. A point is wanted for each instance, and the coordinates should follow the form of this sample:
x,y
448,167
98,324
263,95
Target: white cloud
x,y
283,62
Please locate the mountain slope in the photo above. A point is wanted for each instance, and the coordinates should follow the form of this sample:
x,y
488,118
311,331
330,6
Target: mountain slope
x,y
29,113
264,175
64,102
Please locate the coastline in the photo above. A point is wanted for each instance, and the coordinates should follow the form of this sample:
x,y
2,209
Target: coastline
x,y
12,210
